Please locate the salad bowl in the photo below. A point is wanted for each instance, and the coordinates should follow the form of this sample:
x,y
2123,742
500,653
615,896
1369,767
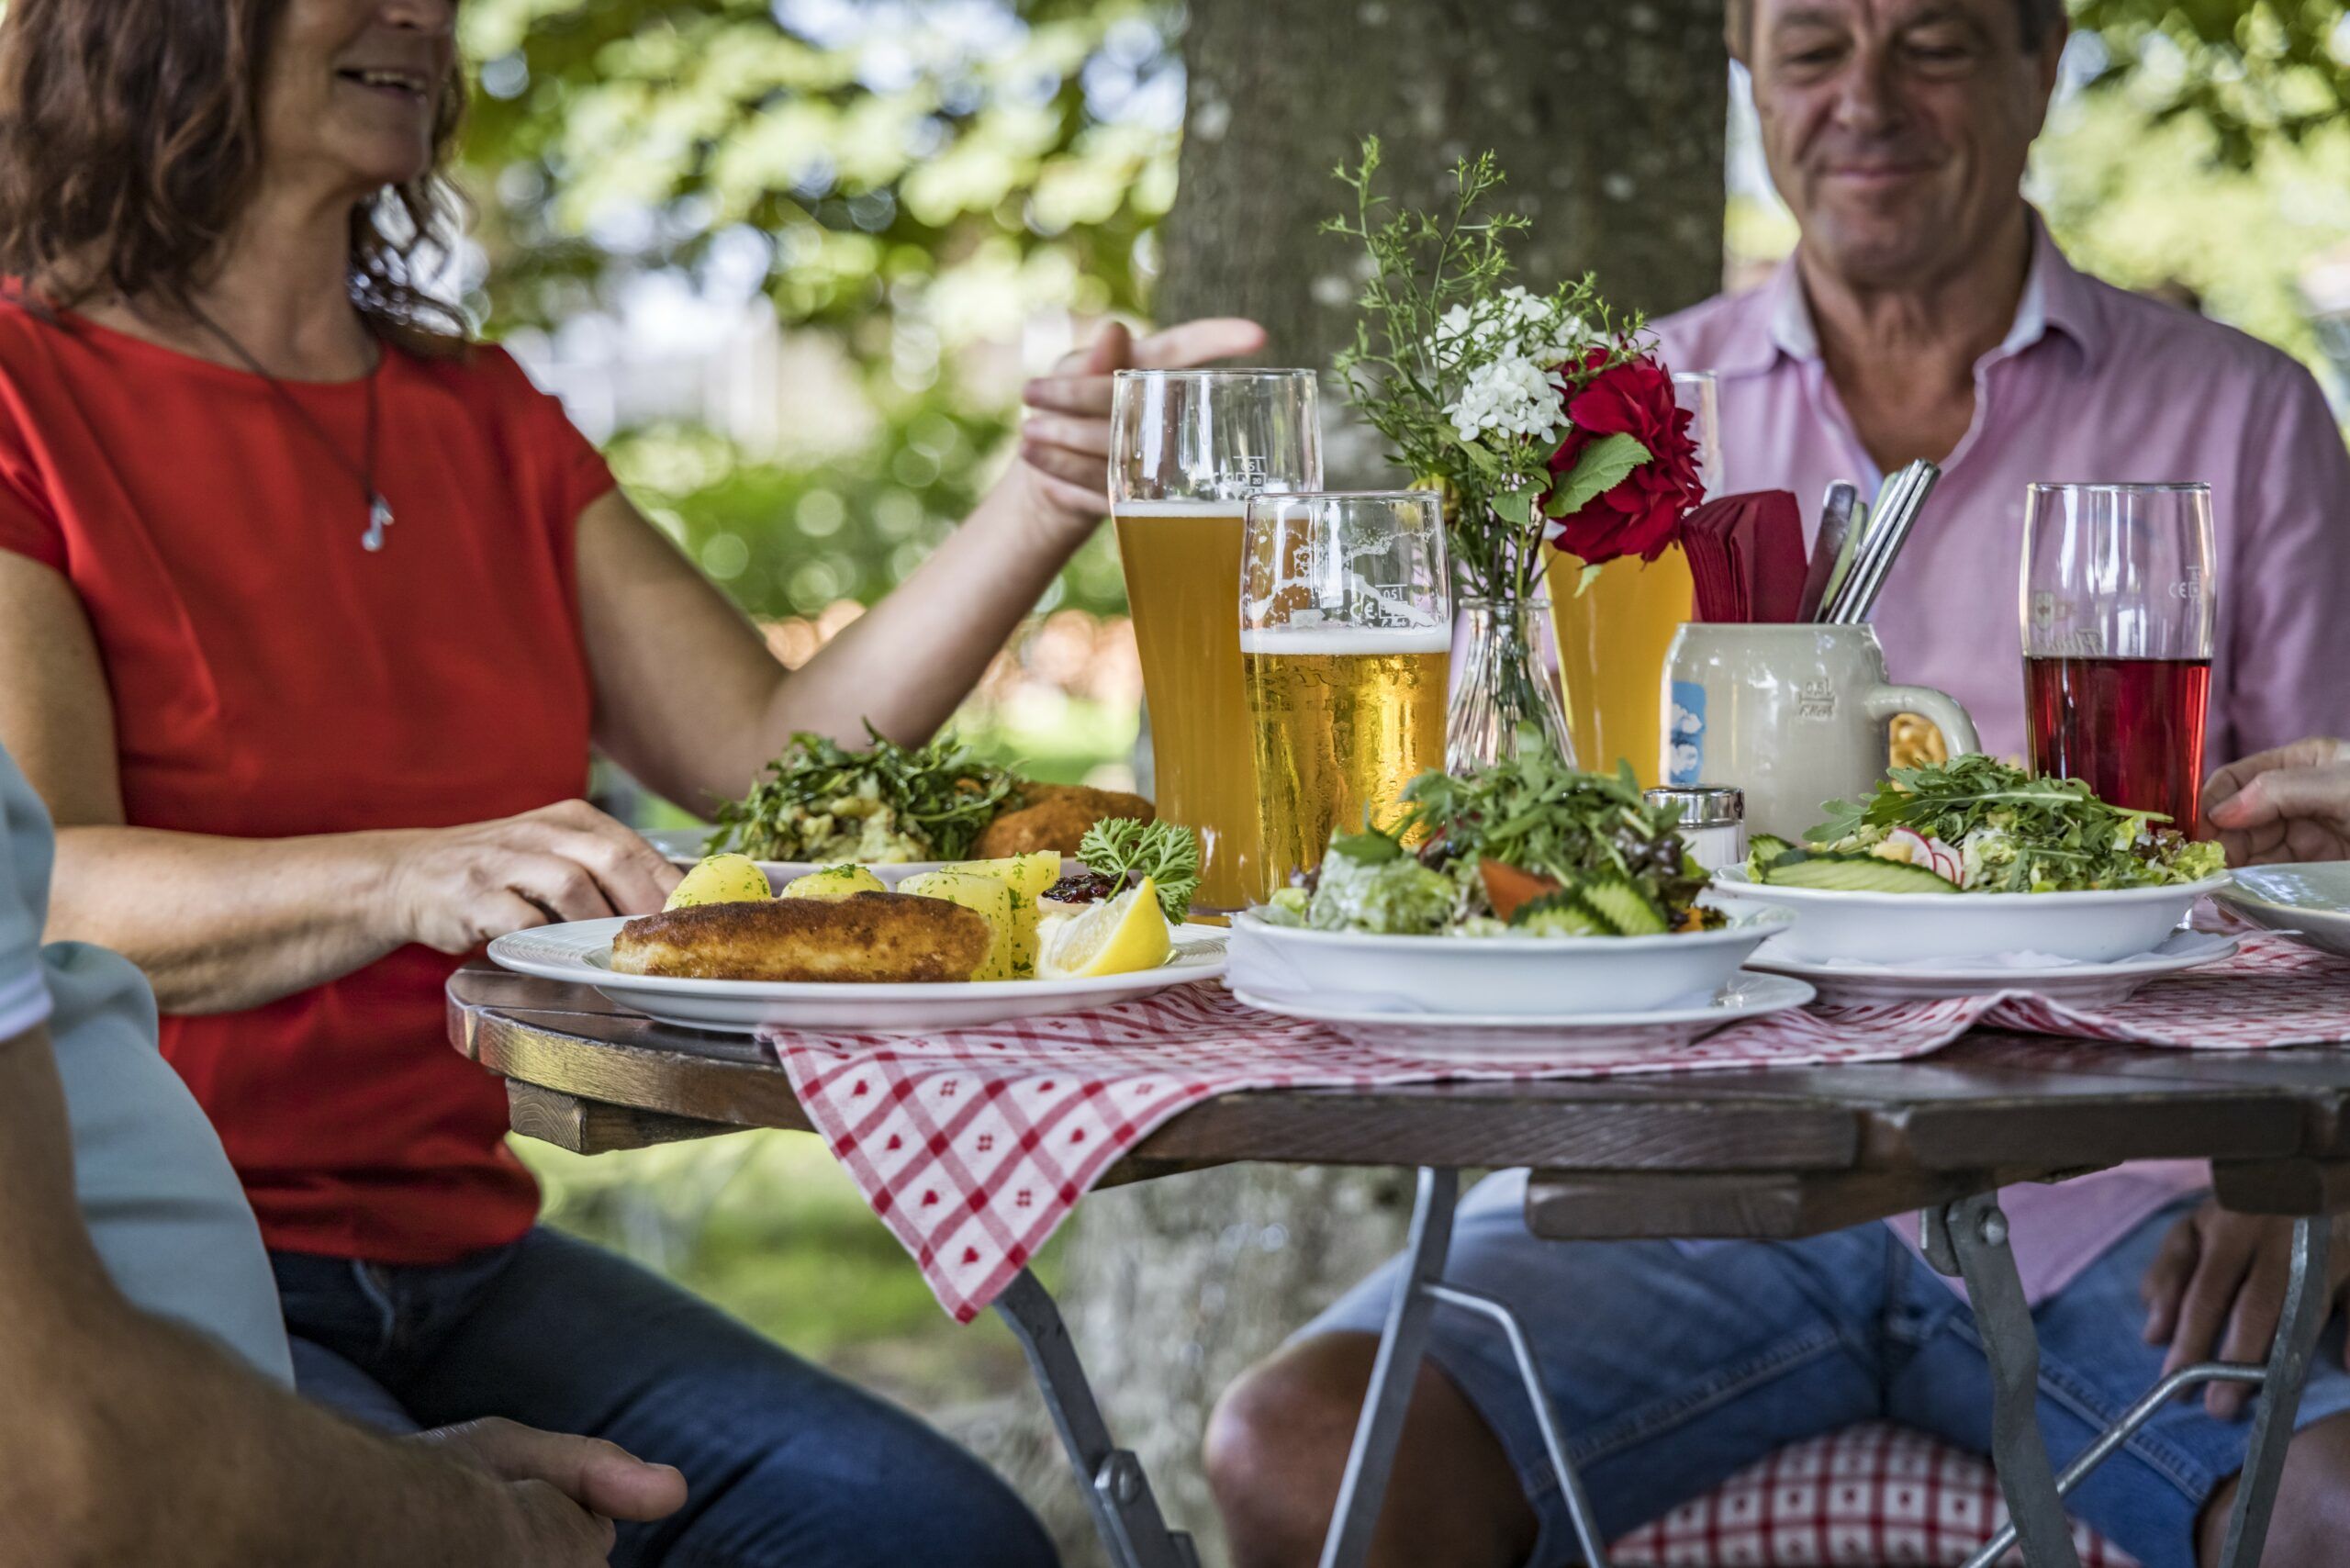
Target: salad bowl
x,y
2093,927
1494,976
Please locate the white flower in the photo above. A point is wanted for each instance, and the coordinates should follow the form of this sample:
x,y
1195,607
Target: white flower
x,y
1512,397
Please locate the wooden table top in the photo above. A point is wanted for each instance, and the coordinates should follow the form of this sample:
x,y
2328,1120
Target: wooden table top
x,y
1776,1152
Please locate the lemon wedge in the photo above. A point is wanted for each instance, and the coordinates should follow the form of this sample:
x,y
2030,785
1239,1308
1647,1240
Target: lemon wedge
x,y
722,878
1118,937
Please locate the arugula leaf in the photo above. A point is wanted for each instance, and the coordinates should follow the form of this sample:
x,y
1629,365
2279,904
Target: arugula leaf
x,y
1168,853
941,796
1537,813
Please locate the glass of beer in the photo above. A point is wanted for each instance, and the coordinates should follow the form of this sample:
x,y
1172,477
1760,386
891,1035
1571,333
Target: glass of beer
x,y
2119,606
1345,636
1187,450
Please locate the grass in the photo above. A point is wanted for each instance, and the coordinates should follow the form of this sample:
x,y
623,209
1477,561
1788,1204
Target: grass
x,y
766,1225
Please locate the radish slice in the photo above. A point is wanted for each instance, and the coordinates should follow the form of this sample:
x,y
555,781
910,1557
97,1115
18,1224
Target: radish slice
x,y
1915,849
1947,862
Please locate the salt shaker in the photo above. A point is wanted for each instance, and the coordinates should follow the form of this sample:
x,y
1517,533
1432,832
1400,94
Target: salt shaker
x,y
1713,821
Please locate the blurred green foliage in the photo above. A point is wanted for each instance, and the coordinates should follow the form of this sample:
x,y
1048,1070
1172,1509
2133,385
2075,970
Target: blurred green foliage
x,y
2250,75
916,179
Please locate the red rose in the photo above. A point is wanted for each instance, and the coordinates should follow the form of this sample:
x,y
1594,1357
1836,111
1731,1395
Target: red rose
x,y
1641,516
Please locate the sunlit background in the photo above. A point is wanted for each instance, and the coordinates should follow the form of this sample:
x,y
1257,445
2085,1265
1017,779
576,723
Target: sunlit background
x,y
790,263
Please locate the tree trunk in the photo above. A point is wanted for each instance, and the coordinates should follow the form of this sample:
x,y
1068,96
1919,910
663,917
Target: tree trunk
x,y
1607,116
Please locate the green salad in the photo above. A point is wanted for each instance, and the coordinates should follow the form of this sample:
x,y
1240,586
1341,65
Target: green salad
x,y
1527,847
888,804
1978,826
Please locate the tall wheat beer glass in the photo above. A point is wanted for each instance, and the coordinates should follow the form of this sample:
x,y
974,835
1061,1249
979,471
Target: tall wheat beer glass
x,y
1188,448
1345,635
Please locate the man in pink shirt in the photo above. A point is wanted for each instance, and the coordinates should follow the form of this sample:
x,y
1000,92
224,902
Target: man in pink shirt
x,y
1926,314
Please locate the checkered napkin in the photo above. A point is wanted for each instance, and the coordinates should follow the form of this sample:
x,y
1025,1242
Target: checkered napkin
x,y
973,1145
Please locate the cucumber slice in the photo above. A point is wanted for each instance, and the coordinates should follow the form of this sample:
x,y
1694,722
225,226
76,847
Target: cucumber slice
x,y
1763,849
1857,874
1558,915
1622,906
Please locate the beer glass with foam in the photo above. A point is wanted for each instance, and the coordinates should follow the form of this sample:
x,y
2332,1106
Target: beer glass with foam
x,y
1346,632
1188,449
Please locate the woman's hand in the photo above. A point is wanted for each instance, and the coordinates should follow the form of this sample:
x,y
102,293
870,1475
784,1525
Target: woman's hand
x,y
1065,444
453,889
2292,803
2219,1280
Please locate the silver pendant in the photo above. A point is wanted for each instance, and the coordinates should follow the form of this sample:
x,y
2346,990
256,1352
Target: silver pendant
x,y
379,518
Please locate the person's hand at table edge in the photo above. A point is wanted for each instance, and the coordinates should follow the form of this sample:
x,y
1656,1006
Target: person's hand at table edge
x,y
2216,1291
567,1489
1065,442
2292,803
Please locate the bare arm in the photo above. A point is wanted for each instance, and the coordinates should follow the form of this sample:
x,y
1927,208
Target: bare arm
x,y
130,1440
690,700
221,924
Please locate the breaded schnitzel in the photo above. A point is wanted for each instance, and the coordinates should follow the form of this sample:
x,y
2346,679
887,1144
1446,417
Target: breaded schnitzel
x,y
876,938
1055,817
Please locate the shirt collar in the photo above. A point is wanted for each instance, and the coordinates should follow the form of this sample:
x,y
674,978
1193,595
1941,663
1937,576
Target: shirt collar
x,y
2055,296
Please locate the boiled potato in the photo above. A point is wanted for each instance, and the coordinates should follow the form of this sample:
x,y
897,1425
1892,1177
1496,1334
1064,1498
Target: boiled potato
x,y
988,897
1029,877
834,883
721,879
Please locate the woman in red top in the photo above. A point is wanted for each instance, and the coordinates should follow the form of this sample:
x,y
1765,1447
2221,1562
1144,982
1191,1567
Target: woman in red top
x,y
309,615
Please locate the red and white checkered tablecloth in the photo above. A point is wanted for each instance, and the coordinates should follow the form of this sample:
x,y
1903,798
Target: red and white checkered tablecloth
x,y
974,1144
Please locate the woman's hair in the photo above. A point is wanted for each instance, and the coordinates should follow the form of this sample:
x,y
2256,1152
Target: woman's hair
x,y
130,140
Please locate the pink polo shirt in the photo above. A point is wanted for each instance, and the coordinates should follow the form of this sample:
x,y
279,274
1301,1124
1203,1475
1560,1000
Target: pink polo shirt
x,y
2092,383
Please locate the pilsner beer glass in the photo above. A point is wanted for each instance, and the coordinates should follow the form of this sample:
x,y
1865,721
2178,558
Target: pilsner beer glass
x,y
1187,450
1345,636
2120,601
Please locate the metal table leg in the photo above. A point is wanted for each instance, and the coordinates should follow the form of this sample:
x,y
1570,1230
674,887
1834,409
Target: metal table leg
x,y
1125,1511
2306,1308
1396,1369
2283,1377
1393,1372
1969,1239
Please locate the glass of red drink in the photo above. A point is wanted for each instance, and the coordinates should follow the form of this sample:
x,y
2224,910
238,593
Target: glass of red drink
x,y
2119,601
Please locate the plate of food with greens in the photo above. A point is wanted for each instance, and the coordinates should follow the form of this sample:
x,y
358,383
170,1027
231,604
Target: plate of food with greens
x,y
1528,890
1975,859
971,943
900,811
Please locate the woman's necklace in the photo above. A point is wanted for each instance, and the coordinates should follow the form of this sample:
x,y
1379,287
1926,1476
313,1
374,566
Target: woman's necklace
x,y
379,511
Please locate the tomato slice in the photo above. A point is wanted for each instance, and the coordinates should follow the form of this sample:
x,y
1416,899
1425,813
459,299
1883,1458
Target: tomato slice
x,y
1506,886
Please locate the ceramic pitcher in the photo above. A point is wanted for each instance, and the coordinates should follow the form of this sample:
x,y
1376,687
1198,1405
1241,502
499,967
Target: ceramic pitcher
x,y
1795,716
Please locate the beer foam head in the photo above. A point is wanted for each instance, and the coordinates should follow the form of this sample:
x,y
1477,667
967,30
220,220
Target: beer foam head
x,y
1351,640
1237,507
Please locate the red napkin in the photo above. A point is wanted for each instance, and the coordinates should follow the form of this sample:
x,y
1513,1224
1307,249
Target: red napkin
x,y
1746,557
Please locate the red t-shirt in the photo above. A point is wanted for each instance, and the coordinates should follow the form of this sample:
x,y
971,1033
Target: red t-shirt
x,y
272,678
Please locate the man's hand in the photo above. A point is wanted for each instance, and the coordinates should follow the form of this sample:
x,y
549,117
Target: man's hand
x,y
566,1489
2292,803
1065,444
2219,1279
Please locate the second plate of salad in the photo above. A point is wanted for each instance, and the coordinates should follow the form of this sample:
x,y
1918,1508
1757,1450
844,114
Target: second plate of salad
x,y
1527,889
1973,859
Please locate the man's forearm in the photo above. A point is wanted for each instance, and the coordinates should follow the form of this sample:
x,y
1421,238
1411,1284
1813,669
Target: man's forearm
x,y
157,1448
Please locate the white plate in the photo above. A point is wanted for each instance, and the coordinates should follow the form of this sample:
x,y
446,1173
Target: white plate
x,y
1514,1036
682,846
2086,985
1536,977
2310,902
581,953
1903,928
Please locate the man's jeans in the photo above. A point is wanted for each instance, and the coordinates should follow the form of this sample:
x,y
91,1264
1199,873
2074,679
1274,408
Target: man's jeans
x,y
788,1466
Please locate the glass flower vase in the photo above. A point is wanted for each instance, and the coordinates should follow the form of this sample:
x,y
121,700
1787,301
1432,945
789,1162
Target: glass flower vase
x,y
1505,691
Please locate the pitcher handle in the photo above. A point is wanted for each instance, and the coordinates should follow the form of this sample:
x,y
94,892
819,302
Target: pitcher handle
x,y
1939,708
